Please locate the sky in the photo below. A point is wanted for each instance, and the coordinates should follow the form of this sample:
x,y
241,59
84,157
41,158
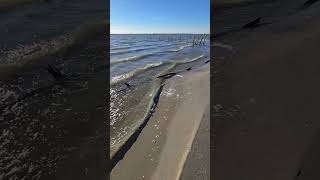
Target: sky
x,y
159,16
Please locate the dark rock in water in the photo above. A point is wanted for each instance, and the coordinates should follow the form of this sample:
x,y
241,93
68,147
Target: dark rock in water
x,y
167,76
252,24
189,69
55,73
207,62
310,2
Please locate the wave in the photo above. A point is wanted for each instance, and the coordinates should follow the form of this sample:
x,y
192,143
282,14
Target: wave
x,y
132,58
196,58
123,77
130,51
24,54
120,47
126,46
138,57
189,60
145,46
126,76
178,49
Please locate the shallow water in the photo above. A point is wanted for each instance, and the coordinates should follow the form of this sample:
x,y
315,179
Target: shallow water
x,y
44,125
136,62
39,28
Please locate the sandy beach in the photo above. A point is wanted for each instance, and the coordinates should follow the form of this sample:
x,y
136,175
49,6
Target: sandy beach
x,y
266,122
162,148
197,164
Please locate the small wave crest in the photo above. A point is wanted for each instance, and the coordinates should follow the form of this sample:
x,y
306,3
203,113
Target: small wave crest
x,y
123,77
196,58
120,47
132,58
178,49
23,54
190,60
138,57
130,51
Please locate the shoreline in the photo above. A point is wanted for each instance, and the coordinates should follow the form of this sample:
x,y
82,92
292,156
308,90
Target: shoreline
x,y
56,129
151,150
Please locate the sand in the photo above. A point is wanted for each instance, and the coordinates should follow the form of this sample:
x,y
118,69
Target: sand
x,y
266,120
197,164
163,146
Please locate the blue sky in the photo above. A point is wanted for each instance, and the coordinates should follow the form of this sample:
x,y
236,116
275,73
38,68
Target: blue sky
x,y
159,16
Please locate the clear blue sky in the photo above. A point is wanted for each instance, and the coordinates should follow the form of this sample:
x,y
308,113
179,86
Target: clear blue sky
x,y
159,16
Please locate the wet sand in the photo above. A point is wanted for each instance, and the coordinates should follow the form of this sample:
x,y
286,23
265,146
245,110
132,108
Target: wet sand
x,y
162,147
266,120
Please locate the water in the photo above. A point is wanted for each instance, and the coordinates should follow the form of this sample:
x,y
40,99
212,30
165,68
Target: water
x,y
135,63
48,129
42,28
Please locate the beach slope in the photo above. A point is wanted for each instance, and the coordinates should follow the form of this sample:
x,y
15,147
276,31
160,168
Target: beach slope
x,y
267,98
161,149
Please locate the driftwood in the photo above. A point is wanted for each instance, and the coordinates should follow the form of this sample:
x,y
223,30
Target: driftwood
x,y
167,76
